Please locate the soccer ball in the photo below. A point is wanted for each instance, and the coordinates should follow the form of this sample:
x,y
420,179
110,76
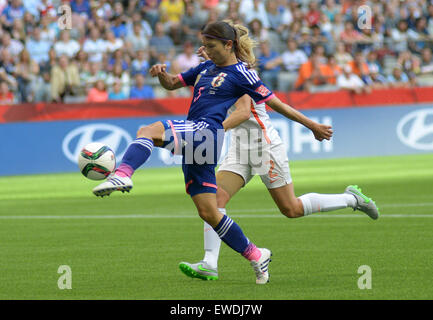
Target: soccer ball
x,y
96,161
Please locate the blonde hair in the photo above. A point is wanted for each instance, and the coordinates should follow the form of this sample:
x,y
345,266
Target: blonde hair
x,y
245,45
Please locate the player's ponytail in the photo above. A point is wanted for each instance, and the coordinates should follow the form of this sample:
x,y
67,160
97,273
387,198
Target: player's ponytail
x,y
243,45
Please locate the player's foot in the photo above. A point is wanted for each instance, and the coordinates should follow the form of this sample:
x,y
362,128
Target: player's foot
x,y
363,203
261,267
200,270
113,183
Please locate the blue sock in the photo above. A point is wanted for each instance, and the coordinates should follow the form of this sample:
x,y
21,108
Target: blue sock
x,y
232,234
138,152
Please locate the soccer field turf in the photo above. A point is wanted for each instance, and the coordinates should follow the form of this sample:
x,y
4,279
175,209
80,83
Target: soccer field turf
x,y
128,246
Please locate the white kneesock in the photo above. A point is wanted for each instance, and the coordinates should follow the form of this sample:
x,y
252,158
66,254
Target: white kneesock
x,y
315,202
212,243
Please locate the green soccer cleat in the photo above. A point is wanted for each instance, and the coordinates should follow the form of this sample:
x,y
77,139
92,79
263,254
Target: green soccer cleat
x,y
200,270
364,203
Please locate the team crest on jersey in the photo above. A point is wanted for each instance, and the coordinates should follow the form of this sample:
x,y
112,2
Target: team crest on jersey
x,y
218,80
262,90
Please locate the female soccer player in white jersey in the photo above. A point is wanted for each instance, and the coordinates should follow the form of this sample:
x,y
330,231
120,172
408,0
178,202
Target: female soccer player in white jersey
x,y
218,84
255,134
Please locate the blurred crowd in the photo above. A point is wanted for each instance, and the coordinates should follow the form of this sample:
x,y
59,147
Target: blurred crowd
x,y
83,50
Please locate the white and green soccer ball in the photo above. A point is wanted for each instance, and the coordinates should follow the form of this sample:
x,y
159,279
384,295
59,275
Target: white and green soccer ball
x,y
96,161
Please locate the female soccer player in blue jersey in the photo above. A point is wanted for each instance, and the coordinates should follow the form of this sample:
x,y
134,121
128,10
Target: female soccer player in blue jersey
x,y
218,84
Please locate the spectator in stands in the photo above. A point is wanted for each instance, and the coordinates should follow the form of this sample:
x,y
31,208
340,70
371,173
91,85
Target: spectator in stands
x,y
187,59
171,12
312,73
89,78
333,70
119,56
410,65
112,43
400,37
42,88
136,41
82,61
140,90
48,32
350,36
82,8
304,42
254,9
257,32
26,73
331,9
313,15
15,10
37,47
116,92
118,25
7,69
65,79
191,24
150,11
66,46
418,36
94,46
6,95
372,60
291,60
119,75
14,47
48,65
18,31
398,79
160,42
145,30
269,65
426,66
279,17
378,81
140,64
351,82
360,67
98,93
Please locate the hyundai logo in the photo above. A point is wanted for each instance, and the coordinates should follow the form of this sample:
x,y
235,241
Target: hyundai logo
x,y
114,137
416,129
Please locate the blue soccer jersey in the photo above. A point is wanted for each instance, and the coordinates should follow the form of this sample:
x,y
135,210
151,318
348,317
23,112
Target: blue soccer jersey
x,y
216,89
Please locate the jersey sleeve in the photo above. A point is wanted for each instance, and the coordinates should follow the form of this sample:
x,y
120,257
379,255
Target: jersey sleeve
x,y
188,77
250,83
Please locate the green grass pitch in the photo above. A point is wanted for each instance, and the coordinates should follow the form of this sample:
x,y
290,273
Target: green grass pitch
x,y
128,246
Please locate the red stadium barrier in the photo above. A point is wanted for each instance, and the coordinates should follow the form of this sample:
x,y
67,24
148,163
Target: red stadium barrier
x,y
179,106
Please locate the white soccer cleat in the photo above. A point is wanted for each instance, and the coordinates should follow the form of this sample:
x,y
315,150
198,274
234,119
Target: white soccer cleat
x,y
113,183
363,203
261,267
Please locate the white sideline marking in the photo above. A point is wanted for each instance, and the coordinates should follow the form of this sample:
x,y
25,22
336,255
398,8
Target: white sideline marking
x,y
190,216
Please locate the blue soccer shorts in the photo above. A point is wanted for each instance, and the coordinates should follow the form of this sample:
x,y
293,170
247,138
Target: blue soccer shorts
x,y
198,143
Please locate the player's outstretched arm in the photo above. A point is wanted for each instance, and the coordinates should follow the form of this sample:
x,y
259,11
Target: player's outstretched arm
x,y
320,131
241,114
168,81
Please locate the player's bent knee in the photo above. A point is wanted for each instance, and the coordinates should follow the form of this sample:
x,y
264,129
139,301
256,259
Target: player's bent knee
x,y
291,211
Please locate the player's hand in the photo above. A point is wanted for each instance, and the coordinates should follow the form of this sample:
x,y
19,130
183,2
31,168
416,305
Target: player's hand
x,y
322,131
157,69
202,53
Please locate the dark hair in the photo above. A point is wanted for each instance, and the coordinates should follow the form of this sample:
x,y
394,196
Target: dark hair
x,y
227,31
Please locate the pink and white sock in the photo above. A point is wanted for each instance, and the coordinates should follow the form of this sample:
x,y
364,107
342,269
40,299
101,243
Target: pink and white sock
x,y
124,170
252,253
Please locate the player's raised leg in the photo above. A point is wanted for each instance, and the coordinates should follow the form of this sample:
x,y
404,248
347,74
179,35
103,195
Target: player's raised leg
x,y
229,184
230,232
310,203
137,153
